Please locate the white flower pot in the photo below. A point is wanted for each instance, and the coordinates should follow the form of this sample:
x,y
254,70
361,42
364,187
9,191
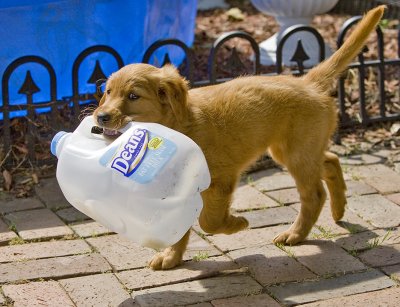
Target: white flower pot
x,y
287,14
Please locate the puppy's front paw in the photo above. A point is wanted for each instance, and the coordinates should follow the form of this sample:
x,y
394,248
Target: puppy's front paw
x,y
165,260
235,224
288,237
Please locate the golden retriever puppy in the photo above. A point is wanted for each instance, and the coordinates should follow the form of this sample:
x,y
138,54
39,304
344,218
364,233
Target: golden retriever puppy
x,y
237,121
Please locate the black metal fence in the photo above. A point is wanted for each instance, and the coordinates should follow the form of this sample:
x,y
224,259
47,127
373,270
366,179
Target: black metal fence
x,y
66,111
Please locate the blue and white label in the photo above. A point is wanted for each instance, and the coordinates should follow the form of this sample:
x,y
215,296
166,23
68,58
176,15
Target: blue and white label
x,y
141,157
129,158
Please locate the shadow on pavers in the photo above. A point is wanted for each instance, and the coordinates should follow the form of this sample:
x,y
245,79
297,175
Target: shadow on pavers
x,y
368,279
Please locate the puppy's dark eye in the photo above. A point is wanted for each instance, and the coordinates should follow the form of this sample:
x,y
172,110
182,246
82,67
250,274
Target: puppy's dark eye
x,y
108,92
133,96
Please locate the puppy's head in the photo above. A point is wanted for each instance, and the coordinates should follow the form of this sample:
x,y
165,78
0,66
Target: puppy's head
x,y
143,93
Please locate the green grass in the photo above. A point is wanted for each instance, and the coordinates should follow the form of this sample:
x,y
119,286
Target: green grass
x,y
16,241
12,227
355,177
324,233
201,256
286,249
249,180
378,241
255,292
353,252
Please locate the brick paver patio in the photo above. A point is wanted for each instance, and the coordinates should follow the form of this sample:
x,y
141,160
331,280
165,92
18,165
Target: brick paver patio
x,y
53,255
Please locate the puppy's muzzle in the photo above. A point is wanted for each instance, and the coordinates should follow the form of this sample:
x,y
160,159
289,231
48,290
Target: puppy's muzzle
x,y
103,118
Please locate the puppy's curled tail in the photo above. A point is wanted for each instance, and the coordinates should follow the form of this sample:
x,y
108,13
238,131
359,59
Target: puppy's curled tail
x,y
325,73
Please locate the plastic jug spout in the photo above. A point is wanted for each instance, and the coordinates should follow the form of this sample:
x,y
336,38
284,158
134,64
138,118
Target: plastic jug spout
x,y
55,146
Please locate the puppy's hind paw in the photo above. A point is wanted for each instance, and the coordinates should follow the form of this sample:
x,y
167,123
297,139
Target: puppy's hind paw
x,y
165,260
288,237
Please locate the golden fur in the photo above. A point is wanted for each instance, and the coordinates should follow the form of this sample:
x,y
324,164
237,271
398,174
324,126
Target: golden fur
x,y
237,121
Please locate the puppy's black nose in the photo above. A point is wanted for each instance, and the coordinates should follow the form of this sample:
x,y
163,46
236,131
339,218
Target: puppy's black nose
x,y
103,118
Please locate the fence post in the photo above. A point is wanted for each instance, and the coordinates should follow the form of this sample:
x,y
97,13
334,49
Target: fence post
x,y
28,88
96,72
174,42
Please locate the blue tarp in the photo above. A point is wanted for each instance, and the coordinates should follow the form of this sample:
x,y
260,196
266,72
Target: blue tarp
x,y
59,30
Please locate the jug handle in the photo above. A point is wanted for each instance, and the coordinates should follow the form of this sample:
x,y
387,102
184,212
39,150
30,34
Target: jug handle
x,y
126,128
85,127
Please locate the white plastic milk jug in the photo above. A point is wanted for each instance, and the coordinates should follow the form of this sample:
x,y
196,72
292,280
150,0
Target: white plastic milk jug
x,y
144,185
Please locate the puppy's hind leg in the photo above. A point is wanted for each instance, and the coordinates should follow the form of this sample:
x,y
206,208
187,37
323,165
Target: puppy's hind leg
x,y
171,256
307,174
333,176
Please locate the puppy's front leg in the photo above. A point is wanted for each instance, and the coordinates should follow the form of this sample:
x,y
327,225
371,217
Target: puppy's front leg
x,y
171,256
215,217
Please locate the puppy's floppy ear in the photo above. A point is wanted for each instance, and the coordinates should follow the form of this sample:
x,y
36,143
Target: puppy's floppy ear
x,y
173,90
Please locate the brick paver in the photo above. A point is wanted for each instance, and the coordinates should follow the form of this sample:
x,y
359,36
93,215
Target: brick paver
x,y
394,198
43,250
388,298
260,300
366,239
71,214
38,224
20,204
324,258
310,291
275,182
286,196
197,246
381,255
247,197
145,278
53,267
355,188
6,234
380,177
376,209
197,291
354,262
397,167
96,290
50,193
350,222
89,229
47,293
270,265
247,238
121,253
270,217
255,176
393,271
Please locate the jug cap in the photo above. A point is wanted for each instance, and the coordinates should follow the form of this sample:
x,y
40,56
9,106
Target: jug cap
x,y
55,140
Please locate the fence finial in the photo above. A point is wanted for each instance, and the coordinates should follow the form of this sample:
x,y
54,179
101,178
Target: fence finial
x,y
29,86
